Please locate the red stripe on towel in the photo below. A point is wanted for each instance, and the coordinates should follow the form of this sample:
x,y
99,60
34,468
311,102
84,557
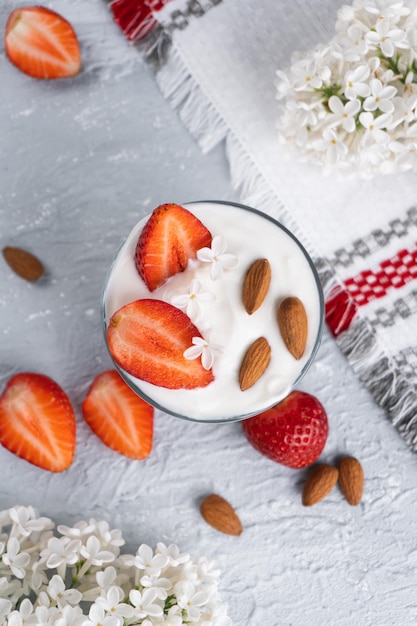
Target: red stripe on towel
x,y
344,301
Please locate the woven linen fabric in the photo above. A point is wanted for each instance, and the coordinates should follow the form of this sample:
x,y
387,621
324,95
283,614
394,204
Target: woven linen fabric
x,y
216,61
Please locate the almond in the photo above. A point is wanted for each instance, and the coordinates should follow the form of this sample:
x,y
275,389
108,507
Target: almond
x,y
256,285
351,479
23,263
254,363
293,324
320,481
221,515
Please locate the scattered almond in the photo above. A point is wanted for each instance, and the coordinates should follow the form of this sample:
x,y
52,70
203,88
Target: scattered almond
x,y
351,479
293,324
254,363
221,515
256,285
23,263
320,481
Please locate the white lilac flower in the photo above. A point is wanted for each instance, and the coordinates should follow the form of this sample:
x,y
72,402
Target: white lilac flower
x,y
332,145
193,300
69,616
144,604
61,551
17,561
202,348
217,257
391,10
386,38
24,615
375,127
92,551
172,552
79,530
62,596
355,82
26,521
344,114
98,617
112,603
145,560
357,42
106,578
190,599
305,75
380,97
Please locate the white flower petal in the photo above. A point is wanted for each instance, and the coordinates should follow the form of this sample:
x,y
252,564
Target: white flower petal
x,y
192,353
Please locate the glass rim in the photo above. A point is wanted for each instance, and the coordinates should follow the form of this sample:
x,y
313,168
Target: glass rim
x,y
234,418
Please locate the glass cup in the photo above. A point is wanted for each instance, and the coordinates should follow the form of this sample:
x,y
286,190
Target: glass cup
x,y
249,235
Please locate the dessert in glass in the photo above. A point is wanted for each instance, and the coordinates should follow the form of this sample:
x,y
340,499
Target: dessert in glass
x,y
212,311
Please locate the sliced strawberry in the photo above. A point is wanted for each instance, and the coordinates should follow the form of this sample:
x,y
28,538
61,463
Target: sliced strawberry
x,y
147,338
37,421
122,420
41,43
170,238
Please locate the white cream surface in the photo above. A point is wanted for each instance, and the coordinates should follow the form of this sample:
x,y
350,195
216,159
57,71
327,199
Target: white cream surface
x,y
225,322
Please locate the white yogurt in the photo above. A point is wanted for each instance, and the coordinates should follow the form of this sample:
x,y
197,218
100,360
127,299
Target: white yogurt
x,y
250,236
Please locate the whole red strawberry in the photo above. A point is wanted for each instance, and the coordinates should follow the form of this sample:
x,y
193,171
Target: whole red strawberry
x,y
292,432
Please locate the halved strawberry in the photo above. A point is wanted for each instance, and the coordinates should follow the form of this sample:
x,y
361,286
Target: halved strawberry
x,y
170,238
122,420
37,421
147,338
41,43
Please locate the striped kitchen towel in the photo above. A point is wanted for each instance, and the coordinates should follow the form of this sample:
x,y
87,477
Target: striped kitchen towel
x,y
216,61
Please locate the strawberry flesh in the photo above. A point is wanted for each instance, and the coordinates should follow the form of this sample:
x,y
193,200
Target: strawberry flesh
x,y
169,239
41,43
37,422
147,338
120,418
293,432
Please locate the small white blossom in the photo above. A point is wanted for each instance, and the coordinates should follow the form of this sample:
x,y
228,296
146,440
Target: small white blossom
x,y
146,560
305,75
61,551
344,114
24,616
144,604
380,98
26,521
202,348
62,596
17,561
193,300
388,39
92,551
97,617
112,603
81,529
355,82
375,127
217,257
190,599
172,552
